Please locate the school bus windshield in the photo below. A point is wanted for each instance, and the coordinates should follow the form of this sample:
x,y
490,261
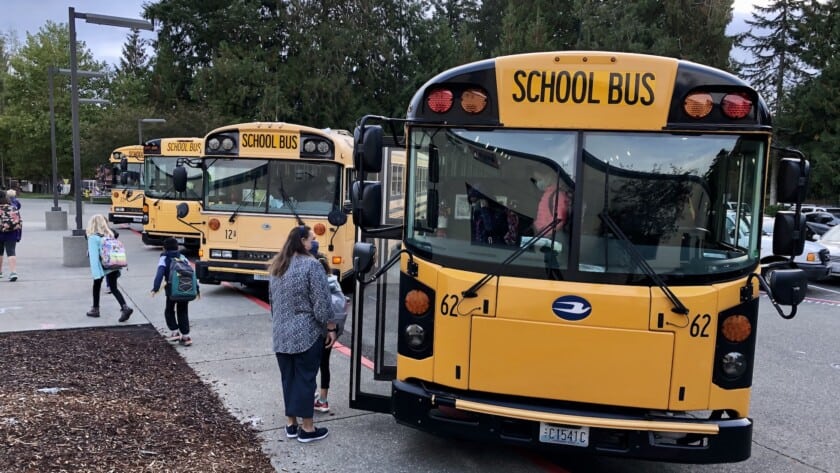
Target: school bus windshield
x,y
159,178
273,186
501,191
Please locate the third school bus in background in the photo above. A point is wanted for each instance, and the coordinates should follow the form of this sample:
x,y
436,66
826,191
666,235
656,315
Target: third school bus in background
x,y
563,276
262,179
162,157
126,185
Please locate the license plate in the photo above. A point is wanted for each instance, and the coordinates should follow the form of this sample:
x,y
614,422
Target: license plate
x,y
261,277
564,435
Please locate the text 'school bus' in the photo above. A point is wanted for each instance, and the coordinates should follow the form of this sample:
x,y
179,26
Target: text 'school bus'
x,y
162,157
260,181
126,185
563,276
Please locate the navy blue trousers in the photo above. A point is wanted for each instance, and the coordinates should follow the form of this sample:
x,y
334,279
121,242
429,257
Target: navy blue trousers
x,y
297,373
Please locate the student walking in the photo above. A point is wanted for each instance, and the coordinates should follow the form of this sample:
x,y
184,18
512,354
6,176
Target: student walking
x,y
11,230
339,304
97,230
300,313
176,312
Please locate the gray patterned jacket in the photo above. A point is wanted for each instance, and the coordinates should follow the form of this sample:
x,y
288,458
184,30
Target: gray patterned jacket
x,y
300,305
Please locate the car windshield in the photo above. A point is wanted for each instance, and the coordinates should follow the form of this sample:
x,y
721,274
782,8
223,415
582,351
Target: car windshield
x,y
533,203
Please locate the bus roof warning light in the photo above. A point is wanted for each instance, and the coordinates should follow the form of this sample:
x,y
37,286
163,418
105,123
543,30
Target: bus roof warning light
x,y
736,105
440,100
698,105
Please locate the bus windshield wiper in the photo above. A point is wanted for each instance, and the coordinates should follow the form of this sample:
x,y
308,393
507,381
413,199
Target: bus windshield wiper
x,y
242,202
472,290
288,201
631,249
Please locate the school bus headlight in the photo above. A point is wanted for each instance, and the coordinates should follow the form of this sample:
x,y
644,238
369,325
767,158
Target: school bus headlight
x,y
417,302
213,144
227,144
698,105
225,254
734,364
736,105
736,328
319,229
440,100
415,336
474,100
214,224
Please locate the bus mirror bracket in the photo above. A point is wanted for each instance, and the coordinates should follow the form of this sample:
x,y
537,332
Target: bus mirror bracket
x,y
786,287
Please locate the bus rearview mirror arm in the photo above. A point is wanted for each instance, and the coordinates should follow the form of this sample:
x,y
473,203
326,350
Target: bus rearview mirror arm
x,y
412,267
746,291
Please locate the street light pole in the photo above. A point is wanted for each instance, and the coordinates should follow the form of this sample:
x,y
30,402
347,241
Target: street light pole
x,y
141,121
56,208
71,253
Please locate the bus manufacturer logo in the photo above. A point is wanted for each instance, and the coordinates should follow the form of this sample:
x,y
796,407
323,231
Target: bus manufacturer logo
x,y
571,308
266,226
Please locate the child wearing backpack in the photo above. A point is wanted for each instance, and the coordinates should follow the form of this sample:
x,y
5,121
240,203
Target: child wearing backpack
x,y
338,304
97,232
178,293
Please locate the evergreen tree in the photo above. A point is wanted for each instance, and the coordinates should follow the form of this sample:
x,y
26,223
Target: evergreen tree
x,y
776,64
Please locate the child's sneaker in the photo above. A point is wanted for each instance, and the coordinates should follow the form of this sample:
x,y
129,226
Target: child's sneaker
x,y
174,337
292,431
185,340
322,405
13,277
317,434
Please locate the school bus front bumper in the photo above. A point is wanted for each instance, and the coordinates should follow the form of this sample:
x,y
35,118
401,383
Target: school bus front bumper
x,y
216,272
537,424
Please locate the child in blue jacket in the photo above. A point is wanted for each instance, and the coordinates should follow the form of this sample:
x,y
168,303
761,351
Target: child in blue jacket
x,y
176,313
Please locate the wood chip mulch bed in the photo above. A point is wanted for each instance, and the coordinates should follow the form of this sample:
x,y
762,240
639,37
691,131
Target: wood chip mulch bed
x,y
113,400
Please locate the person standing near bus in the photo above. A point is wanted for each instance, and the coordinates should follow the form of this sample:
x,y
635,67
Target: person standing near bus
x,y
339,303
300,313
96,231
176,313
11,237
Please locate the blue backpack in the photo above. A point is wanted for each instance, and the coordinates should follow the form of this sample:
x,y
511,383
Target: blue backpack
x,y
183,285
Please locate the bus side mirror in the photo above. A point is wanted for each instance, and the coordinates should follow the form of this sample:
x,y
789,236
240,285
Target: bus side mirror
x,y
788,286
182,210
337,218
367,149
363,258
124,164
179,179
788,234
792,180
367,203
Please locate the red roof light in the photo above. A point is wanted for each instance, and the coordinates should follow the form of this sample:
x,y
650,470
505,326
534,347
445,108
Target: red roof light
x,y
440,100
736,105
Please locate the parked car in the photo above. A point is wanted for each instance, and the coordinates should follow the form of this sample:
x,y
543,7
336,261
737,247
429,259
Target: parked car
x,y
831,240
815,260
817,223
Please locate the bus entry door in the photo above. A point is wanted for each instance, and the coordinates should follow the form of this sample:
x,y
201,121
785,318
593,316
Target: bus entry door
x,y
374,327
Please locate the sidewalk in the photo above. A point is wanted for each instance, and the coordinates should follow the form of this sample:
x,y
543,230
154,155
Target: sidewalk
x,y
231,332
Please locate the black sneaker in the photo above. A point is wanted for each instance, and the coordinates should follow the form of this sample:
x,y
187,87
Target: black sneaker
x,y
317,434
125,313
292,431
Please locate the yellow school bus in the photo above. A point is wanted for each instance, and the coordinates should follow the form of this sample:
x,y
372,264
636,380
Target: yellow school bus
x,y
126,185
162,157
564,276
262,179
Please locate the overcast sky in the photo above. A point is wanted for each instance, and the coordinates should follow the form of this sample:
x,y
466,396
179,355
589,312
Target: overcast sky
x,y
106,42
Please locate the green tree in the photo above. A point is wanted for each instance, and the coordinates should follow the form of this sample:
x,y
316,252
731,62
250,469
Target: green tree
x,y
26,118
772,41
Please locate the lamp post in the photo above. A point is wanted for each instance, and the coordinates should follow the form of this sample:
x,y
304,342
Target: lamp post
x,y
73,245
74,93
51,71
140,123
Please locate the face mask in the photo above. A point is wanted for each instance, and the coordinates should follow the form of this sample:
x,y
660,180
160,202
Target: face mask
x,y
314,248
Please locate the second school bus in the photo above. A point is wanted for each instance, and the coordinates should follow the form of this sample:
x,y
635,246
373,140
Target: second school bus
x,y
260,180
127,185
162,157
563,277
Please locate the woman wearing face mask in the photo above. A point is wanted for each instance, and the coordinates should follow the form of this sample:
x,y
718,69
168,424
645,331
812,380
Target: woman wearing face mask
x,y
554,201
